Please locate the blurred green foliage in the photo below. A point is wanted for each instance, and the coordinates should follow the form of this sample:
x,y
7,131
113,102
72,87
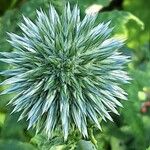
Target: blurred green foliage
x,y
130,130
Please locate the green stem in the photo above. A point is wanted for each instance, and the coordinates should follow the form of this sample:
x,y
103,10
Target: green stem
x,y
92,138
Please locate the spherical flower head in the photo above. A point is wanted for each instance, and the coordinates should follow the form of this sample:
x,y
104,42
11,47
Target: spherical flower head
x,y
65,72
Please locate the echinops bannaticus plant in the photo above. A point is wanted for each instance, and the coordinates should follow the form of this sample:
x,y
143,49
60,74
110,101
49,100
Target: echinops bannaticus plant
x,y
66,71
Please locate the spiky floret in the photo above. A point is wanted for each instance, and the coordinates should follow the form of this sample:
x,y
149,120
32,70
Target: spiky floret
x,y
66,71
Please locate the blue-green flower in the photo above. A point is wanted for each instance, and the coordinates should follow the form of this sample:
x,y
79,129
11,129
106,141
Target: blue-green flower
x,y
65,71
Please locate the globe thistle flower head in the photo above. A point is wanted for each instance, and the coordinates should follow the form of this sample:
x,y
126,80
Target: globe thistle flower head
x,y
65,71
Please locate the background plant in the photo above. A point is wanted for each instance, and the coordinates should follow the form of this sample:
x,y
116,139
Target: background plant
x,y
132,128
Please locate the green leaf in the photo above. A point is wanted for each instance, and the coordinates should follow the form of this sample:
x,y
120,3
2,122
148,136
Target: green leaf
x,y
85,145
60,147
148,148
119,20
116,144
141,10
56,143
13,129
15,145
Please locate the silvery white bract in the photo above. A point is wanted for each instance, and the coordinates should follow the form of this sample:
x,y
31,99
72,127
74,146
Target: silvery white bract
x,y
66,71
